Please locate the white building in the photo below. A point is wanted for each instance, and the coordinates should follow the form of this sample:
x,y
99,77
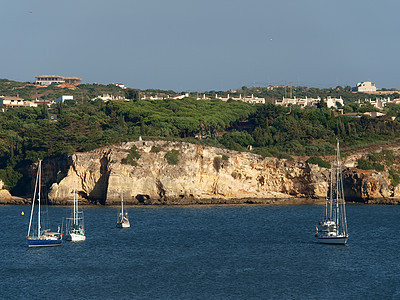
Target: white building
x,y
11,101
332,102
365,86
186,95
109,97
380,102
252,99
56,79
63,98
121,85
303,102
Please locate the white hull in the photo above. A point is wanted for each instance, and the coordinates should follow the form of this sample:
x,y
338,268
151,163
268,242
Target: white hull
x,y
123,224
73,237
334,240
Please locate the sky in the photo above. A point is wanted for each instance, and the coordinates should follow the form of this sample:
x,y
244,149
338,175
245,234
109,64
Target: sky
x,y
203,45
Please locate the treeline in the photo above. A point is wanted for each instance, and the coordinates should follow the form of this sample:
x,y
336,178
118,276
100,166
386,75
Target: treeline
x,y
27,134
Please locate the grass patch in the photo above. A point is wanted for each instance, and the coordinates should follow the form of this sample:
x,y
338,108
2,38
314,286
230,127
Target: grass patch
x,y
172,157
132,157
155,149
318,161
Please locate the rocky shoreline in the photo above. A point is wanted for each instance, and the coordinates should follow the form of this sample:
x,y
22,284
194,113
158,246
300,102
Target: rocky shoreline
x,y
202,175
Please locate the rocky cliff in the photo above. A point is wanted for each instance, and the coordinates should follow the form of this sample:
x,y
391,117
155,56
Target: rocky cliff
x,y
202,174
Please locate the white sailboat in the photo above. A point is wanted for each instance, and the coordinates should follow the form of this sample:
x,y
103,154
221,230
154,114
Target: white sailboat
x,y
43,237
333,228
76,224
123,221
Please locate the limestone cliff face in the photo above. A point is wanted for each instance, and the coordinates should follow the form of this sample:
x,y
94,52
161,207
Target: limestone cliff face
x,y
7,198
206,175
202,175
5,195
366,186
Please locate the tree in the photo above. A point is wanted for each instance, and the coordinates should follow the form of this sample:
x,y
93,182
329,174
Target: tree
x,y
133,94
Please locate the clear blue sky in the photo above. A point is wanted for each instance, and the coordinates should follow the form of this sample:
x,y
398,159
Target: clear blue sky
x,y
203,45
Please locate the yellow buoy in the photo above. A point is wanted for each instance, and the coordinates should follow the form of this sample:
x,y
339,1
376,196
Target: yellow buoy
x,y
22,213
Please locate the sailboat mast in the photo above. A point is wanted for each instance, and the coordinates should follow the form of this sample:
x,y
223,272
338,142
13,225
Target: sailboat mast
x,y
342,203
39,187
75,206
331,195
33,203
337,184
122,198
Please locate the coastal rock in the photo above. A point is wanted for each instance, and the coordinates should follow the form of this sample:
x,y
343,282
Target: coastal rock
x,y
5,196
365,186
202,175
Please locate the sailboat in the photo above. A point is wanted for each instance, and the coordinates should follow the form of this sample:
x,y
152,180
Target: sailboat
x,y
76,224
123,221
43,237
333,228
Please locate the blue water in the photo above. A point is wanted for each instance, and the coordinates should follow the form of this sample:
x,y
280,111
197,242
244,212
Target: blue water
x,y
213,252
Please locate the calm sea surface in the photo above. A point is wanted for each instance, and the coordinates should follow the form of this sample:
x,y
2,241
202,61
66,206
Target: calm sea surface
x,y
214,252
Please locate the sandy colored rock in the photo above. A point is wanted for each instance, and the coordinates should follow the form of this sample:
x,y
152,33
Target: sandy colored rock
x,y
200,176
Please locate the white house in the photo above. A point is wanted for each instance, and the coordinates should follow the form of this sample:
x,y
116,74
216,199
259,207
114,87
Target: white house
x,y
303,102
63,98
11,101
186,95
109,97
121,85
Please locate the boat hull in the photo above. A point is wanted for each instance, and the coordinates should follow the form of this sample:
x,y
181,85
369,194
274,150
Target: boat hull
x,y
123,225
333,240
37,242
73,237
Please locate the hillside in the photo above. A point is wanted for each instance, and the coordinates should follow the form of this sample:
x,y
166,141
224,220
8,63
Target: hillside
x,y
27,134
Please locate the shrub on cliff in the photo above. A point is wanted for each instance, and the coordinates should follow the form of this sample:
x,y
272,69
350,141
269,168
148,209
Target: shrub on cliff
x,y
172,157
378,167
217,163
132,157
155,149
318,161
364,164
10,177
394,177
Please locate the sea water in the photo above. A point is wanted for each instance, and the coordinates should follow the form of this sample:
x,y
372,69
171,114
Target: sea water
x,y
204,252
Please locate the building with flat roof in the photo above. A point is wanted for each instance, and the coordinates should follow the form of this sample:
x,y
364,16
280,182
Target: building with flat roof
x,y
7,101
50,79
365,86
63,98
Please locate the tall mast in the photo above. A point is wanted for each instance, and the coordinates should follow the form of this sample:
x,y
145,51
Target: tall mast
x,y
75,206
122,198
39,186
337,184
343,208
33,202
331,194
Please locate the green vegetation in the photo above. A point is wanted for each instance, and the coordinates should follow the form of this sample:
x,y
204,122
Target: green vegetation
x,y
132,157
217,163
26,134
364,164
318,161
155,149
225,157
172,157
394,177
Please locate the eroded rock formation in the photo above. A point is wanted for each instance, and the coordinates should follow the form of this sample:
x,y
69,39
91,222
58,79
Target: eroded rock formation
x,y
202,175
